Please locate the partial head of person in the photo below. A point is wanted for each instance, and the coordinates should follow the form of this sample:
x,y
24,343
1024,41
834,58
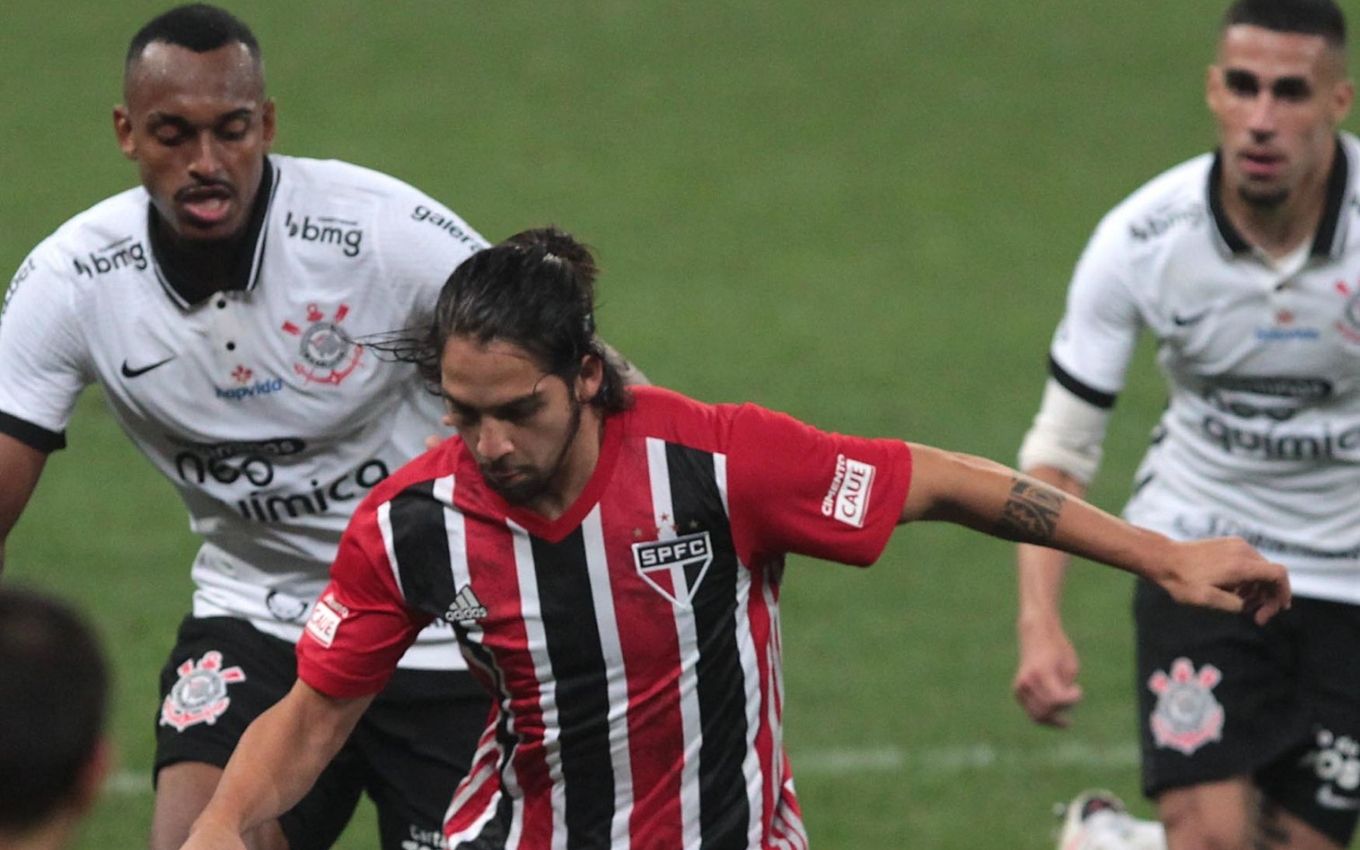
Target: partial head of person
x,y
53,700
196,121
1278,90
514,352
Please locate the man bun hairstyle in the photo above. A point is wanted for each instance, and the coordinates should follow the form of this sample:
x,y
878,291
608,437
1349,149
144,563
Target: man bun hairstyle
x,y
1309,17
53,701
198,27
535,290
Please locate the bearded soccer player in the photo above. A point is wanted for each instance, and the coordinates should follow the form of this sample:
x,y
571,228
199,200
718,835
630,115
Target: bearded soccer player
x,y
611,561
1245,265
217,307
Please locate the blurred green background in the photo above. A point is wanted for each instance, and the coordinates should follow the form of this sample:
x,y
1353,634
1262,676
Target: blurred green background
x,y
863,213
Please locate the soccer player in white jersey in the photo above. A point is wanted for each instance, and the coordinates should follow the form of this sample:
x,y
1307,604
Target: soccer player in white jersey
x,y
611,562
221,307
1244,264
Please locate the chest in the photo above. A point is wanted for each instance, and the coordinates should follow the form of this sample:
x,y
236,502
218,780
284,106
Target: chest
x,y
288,355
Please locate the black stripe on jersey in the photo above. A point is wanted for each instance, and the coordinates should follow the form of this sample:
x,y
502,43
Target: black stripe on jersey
x,y
1325,239
578,668
1083,391
33,436
421,546
1226,231
724,813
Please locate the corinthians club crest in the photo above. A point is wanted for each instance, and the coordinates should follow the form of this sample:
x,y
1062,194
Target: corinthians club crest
x,y
200,695
327,354
1188,715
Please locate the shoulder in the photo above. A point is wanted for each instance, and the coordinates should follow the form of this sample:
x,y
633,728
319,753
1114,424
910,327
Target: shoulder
x,y
1173,202
110,233
398,205
678,419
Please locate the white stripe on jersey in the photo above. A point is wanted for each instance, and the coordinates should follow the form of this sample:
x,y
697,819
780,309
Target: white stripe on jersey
x,y
658,473
389,545
484,766
601,592
532,615
750,668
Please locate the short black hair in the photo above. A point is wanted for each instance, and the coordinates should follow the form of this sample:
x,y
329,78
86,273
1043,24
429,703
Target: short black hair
x,y
1310,17
53,700
196,26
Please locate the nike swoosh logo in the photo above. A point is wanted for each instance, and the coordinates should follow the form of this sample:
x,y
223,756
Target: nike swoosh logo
x,y
129,372
1186,321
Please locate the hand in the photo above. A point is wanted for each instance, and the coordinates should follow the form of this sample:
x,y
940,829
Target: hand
x,y
1045,682
1227,574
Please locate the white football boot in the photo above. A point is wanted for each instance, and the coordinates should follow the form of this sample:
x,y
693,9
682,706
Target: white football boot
x,y
1098,820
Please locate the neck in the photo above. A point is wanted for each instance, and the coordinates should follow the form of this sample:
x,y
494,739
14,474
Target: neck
x,y
578,465
1283,228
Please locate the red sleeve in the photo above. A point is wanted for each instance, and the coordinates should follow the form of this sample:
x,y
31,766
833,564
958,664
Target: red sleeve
x,y
360,627
793,488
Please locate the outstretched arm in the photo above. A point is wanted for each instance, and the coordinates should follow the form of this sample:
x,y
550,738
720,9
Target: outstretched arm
x,y
1223,573
275,763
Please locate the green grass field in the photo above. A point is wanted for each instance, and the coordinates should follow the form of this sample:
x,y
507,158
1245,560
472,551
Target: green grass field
x,y
863,213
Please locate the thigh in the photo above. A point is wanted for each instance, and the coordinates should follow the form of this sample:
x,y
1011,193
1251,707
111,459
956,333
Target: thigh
x,y
417,740
221,675
1318,782
1217,694
1232,813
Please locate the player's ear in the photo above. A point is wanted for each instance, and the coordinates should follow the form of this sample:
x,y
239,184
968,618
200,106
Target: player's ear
x,y
267,120
122,129
590,378
93,774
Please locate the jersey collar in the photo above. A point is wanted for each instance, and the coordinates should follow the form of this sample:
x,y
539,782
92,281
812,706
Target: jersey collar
x,y
1327,240
182,288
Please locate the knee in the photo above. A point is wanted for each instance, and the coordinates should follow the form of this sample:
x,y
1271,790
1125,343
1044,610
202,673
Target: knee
x,y
1190,826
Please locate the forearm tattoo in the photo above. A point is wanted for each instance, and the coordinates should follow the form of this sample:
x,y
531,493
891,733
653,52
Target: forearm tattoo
x,y
1030,515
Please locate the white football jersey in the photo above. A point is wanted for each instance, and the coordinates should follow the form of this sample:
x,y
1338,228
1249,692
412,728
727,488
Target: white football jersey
x,y
260,404
1261,436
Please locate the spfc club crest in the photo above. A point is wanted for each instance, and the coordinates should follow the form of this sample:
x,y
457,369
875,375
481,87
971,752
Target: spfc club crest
x,y
327,354
1187,715
675,566
200,695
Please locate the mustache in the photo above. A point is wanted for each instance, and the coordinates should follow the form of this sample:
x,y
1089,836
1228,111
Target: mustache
x,y
203,187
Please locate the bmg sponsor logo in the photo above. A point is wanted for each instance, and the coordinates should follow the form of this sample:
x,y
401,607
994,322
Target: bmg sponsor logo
x,y
345,235
122,254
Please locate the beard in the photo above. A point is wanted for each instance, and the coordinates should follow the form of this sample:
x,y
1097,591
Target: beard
x,y
533,483
1263,199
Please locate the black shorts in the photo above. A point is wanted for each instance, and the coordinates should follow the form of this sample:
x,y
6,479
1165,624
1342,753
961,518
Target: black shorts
x,y
1221,697
409,751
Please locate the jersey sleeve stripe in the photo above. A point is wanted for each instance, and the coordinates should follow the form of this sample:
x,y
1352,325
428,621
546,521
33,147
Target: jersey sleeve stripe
x,y
1081,390
33,436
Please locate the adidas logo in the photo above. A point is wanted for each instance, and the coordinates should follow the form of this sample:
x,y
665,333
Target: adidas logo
x,y
466,607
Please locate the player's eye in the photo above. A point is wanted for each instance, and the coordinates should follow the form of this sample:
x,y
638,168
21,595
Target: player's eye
x,y
1242,83
234,130
1292,89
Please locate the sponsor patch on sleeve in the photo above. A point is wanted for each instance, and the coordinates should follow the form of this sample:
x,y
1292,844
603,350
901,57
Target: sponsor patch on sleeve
x,y
325,620
847,500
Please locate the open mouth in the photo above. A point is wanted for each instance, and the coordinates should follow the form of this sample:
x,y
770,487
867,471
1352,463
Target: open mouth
x,y
204,206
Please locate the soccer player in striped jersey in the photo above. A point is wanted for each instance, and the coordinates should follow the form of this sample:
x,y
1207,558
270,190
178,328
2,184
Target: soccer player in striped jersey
x,y
611,562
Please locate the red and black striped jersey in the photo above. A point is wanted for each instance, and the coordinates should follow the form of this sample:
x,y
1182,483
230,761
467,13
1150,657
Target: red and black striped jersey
x,y
631,645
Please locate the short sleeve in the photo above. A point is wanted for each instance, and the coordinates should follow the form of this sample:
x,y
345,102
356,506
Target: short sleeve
x,y
1099,329
43,357
796,489
423,242
360,626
